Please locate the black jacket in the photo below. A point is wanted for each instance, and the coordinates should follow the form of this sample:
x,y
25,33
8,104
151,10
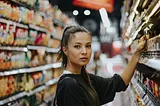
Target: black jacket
x,y
73,90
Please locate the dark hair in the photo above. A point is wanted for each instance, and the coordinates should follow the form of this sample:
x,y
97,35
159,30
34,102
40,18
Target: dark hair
x,y
67,34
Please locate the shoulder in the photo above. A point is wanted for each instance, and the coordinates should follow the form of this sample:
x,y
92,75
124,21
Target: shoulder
x,y
67,82
94,77
68,85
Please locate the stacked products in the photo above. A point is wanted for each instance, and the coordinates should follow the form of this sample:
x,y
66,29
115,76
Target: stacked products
x,y
30,33
141,22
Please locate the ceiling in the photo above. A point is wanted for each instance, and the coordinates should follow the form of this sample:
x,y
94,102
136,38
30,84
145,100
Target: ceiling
x,y
67,7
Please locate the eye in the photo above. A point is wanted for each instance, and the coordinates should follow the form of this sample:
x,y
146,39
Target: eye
x,y
88,46
77,46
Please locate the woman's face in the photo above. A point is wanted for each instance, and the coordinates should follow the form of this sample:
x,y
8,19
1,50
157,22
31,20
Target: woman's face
x,y
79,49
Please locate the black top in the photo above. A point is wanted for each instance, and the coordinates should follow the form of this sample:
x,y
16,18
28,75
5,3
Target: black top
x,y
73,90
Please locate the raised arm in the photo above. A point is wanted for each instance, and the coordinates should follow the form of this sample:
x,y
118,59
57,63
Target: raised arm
x,y
129,70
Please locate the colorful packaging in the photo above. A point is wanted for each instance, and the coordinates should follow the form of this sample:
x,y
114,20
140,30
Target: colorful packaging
x,y
41,39
32,37
5,60
21,37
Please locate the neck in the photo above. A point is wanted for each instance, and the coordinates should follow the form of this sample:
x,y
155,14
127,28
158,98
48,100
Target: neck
x,y
74,69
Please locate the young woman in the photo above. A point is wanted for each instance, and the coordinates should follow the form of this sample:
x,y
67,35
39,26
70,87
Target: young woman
x,y
76,87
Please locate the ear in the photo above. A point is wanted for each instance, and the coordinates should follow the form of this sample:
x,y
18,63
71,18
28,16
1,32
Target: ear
x,y
65,50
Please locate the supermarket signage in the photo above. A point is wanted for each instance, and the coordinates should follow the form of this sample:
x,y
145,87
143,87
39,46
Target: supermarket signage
x,y
95,4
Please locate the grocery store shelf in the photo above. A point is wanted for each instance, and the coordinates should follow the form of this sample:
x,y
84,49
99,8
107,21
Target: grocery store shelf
x,y
133,95
49,99
6,21
42,104
51,82
30,70
153,63
149,95
145,94
32,92
155,5
38,28
23,5
25,49
52,50
9,48
46,101
138,89
13,23
148,72
36,47
47,49
57,22
36,90
23,25
140,23
12,98
137,30
57,65
56,37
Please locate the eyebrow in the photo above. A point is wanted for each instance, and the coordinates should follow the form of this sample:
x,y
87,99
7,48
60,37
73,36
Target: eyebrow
x,y
80,43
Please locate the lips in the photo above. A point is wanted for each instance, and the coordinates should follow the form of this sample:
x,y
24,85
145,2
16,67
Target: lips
x,y
84,59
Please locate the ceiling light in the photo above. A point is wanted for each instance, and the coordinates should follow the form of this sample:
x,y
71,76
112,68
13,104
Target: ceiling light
x,y
87,12
75,12
104,17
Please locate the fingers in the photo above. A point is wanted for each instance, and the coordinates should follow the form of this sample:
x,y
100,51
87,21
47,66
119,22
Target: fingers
x,y
143,38
144,45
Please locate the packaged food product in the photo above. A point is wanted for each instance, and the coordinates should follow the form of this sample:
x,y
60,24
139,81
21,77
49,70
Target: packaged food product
x,y
21,37
32,36
41,39
21,81
4,33
5,60
3,89
12,85
18,60
38,19
38,78
6,9
15,13
37,58
31,2
10,37
23,15
30,16
48,75
29,85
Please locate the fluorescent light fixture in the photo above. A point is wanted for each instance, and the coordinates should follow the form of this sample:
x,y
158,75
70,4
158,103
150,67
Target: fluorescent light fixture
x,y
104,17
87,12
75,12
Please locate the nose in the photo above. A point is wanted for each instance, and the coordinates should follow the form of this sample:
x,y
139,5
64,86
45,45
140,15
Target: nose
x,y
84,50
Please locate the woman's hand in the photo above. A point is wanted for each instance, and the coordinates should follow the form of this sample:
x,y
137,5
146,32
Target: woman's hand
x,y
142,45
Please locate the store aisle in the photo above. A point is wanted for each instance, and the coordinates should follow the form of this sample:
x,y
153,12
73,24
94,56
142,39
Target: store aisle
x,y
115,66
